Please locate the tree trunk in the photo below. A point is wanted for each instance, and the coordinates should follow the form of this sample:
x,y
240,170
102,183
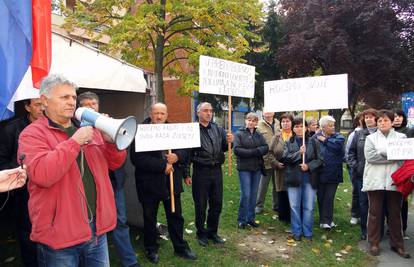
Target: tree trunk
x,y
159,57
337,115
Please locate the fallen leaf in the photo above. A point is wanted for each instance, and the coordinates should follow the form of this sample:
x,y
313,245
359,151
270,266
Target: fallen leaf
x,y
344,251
264,233
270,228
346,190
348,205
338,230
284,256
339,199
257,221
265,214
327,245
188,231
323,237
191,223
137,237
164,237
338,255
316,250
274,217
281,249
9,259
339,259
329,241
242,244
231,202
348,248
288,231
224,239
271,242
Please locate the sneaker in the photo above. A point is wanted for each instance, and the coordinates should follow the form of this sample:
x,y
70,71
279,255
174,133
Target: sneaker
x,y
325,226
406,237
354,221
333,225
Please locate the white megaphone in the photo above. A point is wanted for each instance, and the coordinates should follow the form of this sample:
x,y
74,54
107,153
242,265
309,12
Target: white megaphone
x,y
121,131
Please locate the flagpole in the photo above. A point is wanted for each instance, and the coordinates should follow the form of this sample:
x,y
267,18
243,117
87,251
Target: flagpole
x,y
229,131
172,187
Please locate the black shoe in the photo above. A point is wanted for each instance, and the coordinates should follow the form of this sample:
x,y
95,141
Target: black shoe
x,y
241,225
203,241
186,254
363,237
216,239
153,257
253,224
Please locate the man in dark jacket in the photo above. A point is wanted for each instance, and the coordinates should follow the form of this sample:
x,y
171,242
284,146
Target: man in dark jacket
x,y
207,175
152,171
8,159
356,161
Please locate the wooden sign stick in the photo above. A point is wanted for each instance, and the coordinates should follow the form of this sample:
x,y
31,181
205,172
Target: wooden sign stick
x,y
303,134
229,144
172,188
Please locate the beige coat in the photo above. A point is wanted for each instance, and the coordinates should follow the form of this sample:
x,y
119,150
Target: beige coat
x,y
378,170
275,154
264,128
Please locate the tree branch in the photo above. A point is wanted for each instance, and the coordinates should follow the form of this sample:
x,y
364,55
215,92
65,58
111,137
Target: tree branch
x,y
186,48
152,41
167,37
177,20
173,60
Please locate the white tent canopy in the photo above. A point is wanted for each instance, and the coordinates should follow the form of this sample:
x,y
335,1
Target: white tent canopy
x,y
86,67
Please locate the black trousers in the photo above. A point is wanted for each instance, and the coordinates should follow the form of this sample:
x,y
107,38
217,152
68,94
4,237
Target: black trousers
x,y
207,189
175,224
326,198
28,248
284,206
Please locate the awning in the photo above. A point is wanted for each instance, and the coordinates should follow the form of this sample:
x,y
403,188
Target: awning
x,y
86,67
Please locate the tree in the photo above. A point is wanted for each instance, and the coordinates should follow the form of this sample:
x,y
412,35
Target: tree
x,y
362,38
169,36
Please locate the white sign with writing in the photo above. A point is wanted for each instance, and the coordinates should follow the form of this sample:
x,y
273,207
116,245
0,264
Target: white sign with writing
x,y
223,77
312,93
400,149
153,137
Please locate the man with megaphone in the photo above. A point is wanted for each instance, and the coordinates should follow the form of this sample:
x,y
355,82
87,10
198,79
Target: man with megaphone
x,y
120,235
71,203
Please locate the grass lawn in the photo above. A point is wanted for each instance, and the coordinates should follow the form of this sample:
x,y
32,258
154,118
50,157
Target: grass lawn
x,y
265,246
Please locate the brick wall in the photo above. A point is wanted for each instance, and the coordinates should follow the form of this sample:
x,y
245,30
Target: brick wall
x,y
179,107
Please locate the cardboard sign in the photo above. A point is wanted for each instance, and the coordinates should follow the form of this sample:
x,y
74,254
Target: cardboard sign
x,y
223,77
153,137
312,93
400,149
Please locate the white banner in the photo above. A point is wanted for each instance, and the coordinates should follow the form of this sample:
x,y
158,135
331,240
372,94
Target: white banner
x,y
312,93
153,137
223,77
399,149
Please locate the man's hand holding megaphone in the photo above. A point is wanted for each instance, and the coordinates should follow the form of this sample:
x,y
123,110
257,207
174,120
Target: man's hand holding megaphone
x,y
83,135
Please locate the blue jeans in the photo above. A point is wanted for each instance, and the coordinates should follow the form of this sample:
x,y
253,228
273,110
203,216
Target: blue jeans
x,y
301,200
249,184
120,235
88,254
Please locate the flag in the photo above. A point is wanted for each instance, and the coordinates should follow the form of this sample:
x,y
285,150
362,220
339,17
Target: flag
x,y
42,40
15,48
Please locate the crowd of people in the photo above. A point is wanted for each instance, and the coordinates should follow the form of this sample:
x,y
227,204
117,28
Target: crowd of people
x,y
75,190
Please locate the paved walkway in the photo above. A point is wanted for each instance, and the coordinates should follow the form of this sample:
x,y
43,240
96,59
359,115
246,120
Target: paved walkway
x,y
388,258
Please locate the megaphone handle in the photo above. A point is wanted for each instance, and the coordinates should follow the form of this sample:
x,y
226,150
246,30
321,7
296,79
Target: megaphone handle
x,y
172,188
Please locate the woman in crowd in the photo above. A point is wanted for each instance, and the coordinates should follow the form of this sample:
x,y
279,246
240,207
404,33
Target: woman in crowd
x,y
276,152
357,126
400,125
301,179
249,147
356,163
377,182
312,126
330,175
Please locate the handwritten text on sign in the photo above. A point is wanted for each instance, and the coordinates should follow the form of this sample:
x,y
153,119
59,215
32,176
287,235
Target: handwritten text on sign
x,y
153,137
312,93
223,77
400,149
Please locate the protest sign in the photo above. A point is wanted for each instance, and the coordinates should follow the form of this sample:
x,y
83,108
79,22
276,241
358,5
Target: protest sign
x,y
153,137
400,149
311,93
223,77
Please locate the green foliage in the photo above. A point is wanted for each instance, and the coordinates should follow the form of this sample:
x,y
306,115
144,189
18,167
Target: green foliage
x,y
171,35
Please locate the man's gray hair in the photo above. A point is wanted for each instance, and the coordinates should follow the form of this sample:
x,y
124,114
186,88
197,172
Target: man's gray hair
x,y
87,95
53,80
323,121
200,106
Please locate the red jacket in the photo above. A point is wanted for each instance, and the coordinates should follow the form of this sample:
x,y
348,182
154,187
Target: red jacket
x,y
57,208
402,178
